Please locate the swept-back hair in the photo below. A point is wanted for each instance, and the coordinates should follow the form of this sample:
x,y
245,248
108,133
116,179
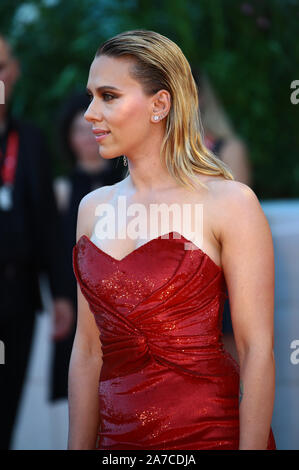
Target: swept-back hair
x,y
158,63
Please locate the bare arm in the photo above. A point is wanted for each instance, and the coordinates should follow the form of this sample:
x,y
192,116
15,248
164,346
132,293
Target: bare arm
x,y
85,367
248,263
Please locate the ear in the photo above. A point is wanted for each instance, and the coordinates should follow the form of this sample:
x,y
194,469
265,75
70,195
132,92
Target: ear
x,y
160,105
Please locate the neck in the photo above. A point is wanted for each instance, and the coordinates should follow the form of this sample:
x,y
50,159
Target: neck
x,y
148,174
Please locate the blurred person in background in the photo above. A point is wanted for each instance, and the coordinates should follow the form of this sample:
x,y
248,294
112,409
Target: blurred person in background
x,y
220,137
30,244
88,172
222,140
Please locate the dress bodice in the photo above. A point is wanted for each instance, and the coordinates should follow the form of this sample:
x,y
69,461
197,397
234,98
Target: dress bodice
x,y
166,381
163,301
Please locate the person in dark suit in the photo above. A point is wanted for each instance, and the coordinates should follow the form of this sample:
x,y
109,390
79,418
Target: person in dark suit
x,y
30,244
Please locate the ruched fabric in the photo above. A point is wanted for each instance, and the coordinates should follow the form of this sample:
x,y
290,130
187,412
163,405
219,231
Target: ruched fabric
x,y
166,381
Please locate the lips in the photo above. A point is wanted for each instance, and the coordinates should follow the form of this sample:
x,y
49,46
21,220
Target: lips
x,y
100,134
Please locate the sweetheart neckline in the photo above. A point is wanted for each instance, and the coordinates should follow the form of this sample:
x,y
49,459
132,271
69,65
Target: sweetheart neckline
x,y
147,243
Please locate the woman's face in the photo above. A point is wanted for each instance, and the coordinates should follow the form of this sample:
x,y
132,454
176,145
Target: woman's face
x,y
82,140
119,106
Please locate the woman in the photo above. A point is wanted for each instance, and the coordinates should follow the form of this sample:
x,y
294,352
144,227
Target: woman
x,y
148,370
88,171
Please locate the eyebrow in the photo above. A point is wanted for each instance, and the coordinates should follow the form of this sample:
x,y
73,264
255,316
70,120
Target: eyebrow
x,y
102,88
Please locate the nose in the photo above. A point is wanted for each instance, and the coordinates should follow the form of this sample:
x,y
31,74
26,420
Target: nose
x,y
92,114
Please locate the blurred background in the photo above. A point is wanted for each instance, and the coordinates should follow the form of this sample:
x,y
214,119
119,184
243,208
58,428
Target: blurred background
x,y
245,59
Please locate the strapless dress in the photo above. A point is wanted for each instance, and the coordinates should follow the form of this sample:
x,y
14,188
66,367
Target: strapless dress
x,y
166,380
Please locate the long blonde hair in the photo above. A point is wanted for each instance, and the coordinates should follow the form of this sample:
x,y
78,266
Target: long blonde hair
x,y
160,64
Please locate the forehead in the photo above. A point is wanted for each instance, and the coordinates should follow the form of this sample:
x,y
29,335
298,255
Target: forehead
x,y
111,71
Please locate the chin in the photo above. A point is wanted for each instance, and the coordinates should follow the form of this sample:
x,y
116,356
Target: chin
x,y
108,155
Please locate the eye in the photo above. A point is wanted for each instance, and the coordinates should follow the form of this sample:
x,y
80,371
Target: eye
x,y
108,96
89,96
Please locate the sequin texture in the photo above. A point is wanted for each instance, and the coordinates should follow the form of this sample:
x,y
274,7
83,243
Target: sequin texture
x,y
166,381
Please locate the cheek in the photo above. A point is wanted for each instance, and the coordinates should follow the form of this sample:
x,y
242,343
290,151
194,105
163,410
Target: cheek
x,y
132,113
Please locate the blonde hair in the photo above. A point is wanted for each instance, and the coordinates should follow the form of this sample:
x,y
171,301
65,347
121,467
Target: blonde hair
x,y
160,64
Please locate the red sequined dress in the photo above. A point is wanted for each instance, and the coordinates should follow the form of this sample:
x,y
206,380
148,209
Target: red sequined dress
x,y
166,382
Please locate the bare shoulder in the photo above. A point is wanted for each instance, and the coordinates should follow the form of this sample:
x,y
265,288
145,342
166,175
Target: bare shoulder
x,y
225,187
87,208
247,257
233,192
233,202
243,231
